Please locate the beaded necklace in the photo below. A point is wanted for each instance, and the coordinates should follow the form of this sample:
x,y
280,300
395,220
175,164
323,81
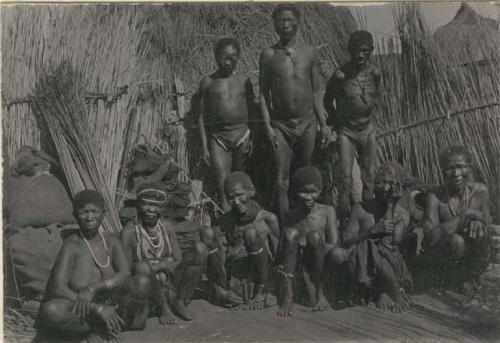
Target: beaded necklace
x,y
94,257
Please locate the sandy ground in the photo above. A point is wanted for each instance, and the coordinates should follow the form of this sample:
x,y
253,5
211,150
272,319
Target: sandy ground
x,y
429,320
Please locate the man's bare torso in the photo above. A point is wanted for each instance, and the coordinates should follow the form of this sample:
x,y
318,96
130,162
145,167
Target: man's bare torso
x,y
357,94
290,79
472,199
226,102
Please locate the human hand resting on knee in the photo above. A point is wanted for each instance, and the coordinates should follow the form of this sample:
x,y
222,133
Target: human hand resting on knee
x,y
82,302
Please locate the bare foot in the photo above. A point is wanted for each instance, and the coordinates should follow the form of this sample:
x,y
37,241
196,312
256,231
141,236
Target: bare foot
x,y
257,302
286,308
400,304
271,300
182,311
384,302
322,304
227,298
167,317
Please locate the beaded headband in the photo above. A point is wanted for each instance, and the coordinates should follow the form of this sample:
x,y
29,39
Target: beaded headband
x,y
152,190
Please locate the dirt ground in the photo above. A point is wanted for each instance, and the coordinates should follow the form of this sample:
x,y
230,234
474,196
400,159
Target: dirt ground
x,y
431,319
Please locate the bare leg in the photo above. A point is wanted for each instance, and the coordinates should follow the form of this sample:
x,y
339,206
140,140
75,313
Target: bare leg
x,y
216,271
166,316
282,156
240,157
258,259
221,162
346,151
315,257
390,287
304,147
134,304
368,159
190,278
56,316
290,251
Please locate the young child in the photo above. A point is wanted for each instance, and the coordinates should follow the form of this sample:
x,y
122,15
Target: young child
x,y
152,249
252,236
374,232
354,88
310,238
226,101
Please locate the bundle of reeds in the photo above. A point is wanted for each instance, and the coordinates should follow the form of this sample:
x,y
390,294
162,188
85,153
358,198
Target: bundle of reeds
x,y
58,101
105,44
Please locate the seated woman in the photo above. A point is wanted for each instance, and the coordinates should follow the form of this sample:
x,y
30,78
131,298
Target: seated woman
x,y
90,290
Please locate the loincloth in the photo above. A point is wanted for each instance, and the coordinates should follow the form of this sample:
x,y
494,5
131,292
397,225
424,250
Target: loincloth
x,y
231,139
359,138
294,128
363,260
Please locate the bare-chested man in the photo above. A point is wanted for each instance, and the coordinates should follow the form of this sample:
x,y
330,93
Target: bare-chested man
x,y
252,237
290,100
152,249
457,220
227,99
354,88
374,232
310,238
90,289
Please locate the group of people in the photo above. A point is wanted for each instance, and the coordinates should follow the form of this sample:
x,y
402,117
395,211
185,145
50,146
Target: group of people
x,y
104,284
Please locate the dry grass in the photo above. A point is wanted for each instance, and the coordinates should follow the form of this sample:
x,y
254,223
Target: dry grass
x,y
447,106
128,58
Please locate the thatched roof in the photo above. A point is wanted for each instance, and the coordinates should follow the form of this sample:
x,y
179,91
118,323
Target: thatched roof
x,y
128,58
468,37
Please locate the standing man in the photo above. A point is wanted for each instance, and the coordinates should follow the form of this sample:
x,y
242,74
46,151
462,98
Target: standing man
x,y
291,99
226,102
354,88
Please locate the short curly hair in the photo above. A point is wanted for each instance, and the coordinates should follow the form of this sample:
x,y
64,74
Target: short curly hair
x,y
286,7
223,42
455,151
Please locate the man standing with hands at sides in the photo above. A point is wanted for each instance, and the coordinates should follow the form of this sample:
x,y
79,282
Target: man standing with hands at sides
x,y
354,87
290,100
227,100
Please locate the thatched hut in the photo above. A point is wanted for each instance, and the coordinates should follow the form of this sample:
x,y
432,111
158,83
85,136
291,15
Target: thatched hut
x,y
468,38
135,70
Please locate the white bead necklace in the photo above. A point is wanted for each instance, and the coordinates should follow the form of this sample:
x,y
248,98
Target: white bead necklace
x,y
105,265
